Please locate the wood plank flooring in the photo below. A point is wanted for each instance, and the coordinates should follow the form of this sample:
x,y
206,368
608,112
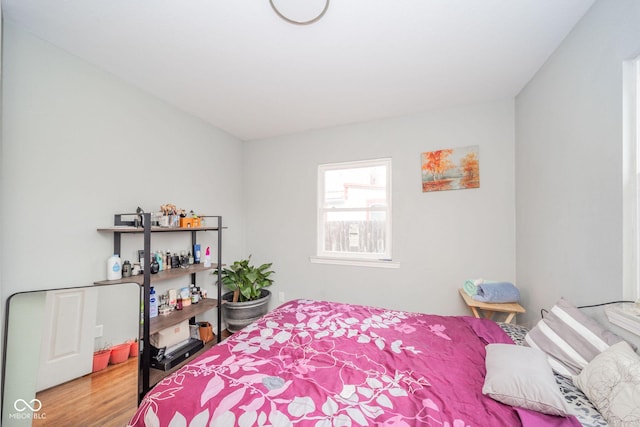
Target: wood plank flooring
x,y
104,398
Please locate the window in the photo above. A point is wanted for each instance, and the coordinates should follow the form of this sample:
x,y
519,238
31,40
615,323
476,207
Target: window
x,y
626,315
354,210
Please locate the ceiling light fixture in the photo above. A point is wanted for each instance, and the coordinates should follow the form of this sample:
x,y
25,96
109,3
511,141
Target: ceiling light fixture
x,y
300,13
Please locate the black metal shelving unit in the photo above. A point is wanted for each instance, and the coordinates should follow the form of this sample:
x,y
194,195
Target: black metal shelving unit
x,y
134,223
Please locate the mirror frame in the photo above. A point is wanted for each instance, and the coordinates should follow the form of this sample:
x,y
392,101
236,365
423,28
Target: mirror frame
x,y
6,339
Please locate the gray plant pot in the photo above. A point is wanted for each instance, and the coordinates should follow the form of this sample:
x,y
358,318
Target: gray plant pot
x,y
237,315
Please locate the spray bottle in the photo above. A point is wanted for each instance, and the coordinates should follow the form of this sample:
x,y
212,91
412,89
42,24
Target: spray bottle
x,y
207,258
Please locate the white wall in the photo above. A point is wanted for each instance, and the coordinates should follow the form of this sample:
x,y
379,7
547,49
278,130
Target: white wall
x,y
80,145
569,164
439,238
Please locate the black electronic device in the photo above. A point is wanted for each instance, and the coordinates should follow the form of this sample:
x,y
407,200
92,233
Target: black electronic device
x,y
177,356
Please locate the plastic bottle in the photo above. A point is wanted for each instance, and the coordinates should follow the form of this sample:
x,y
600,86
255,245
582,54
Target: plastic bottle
x,y
114,268
196,253
153,303
207,258
160,261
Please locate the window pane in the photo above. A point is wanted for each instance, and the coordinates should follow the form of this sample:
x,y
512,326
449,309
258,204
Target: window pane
x,y
355,187
355,232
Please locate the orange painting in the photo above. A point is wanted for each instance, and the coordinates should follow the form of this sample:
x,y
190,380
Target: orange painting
x,y
451,169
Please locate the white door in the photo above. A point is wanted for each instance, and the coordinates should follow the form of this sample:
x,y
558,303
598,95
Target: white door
x,y
68,336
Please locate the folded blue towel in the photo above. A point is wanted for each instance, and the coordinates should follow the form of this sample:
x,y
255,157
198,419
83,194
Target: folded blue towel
x,y
497,292
471,285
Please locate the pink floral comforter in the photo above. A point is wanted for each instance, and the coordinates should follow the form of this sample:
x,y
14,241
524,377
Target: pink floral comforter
x,y
310,363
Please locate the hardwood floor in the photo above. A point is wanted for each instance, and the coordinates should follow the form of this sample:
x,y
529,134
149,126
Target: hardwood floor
x,y
103,398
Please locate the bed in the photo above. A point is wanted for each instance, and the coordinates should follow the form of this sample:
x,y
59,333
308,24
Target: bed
x,y
315,363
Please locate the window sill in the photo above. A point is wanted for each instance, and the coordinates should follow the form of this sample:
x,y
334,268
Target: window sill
x,y
625,315
377,263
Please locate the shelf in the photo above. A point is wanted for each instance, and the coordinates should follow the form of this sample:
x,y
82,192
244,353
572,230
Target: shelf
x,y
157,375
123,227
130,229
172,273
161,322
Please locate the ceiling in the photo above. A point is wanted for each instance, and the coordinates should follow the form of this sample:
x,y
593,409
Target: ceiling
x,y
238,66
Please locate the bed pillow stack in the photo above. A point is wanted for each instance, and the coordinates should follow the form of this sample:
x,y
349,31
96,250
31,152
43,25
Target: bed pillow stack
x,y
601,364
612,382
569,338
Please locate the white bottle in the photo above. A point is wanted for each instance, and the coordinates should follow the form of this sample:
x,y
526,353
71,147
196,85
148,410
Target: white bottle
x,y
207,258
153,303
114,268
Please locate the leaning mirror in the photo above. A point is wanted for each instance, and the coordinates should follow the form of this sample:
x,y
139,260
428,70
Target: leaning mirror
x,y
52,374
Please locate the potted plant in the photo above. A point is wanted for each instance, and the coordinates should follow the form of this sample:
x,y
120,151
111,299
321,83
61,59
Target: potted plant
x,y
247,300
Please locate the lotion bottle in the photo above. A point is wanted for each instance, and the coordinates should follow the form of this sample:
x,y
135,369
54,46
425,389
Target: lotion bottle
x,y
153,303
114,268
196,253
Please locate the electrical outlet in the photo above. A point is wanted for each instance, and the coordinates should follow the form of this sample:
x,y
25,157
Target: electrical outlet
x,y
99,331
281,296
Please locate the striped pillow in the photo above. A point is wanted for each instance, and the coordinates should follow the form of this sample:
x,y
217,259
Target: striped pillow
x,y
570,338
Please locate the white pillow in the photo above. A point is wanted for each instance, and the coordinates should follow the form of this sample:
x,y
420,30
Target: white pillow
x,y
521,376
612,382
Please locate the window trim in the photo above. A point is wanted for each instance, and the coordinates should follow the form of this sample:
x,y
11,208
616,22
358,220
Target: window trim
x,y
631,179
354,262
358,259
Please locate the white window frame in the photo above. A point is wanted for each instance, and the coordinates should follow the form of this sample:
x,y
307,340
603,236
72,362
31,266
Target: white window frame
x,y
345,258
631,179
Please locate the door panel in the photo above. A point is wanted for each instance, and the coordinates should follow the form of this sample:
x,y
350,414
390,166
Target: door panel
x,y
68,338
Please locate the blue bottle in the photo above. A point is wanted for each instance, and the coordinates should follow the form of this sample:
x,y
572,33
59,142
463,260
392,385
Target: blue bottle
x,y
196,253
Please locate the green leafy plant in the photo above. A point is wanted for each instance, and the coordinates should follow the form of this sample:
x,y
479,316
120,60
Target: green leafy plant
x,y
246,280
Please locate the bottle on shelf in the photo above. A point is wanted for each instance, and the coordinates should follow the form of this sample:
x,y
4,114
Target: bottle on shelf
x,y
207,257
195,296
196,253
153,303
126,268
160,261
114,267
